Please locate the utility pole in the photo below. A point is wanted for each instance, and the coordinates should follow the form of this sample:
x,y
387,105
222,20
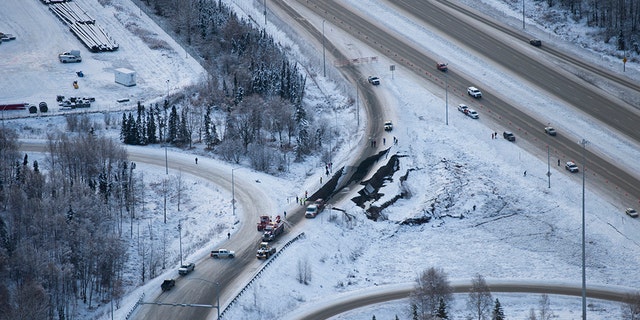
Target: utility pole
x,y
584,143
522,14
446,98
180,231
324,63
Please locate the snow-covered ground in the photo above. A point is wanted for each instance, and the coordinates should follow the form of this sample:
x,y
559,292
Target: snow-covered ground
x,y
519,229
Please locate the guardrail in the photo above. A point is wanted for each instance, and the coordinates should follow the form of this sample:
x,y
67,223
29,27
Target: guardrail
x,y
135,306
257,275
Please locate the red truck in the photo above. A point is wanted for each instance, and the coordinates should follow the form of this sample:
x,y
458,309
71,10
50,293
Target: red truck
x,y
273,230
265,221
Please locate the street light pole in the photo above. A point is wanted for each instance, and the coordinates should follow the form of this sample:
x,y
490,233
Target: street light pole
x,y
548,166
180,231
446,98
584,274
522,14
324,64
233,191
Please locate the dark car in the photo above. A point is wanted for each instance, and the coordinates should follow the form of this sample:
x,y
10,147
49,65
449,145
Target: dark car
x,y
168,284
442,66
509,136
535,42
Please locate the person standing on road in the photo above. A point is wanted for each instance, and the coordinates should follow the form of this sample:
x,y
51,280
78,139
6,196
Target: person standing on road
x,y
196,160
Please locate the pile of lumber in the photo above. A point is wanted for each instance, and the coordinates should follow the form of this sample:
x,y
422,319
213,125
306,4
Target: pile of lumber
x,y
83,26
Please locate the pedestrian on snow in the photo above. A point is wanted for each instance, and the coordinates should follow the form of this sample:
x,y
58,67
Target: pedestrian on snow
x,y
285,214
228,235
327,172
492,136
525,173
384,141
297,200
558,162
320,179
196,160
474,207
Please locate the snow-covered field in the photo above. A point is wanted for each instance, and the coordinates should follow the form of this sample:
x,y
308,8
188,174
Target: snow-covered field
x,y
520,228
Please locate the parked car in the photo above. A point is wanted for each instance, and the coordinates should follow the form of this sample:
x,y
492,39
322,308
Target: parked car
x,y
7,37
186,268
168,284
463,108
374,80
320,203
474,92
473,114
509,136
571,167
312,211
631,212
388,126
442,66
535,42
550,131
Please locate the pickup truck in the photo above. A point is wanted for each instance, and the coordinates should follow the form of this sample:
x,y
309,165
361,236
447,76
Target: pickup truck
x,y
186,268
222,253
70,56
168,284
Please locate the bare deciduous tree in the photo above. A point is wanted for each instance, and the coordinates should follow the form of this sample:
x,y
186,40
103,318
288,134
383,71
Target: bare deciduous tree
x,y
479,300
545,307
304,271
631,308
431,287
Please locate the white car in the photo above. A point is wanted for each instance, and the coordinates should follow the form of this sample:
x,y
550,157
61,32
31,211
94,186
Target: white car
x,y
388,126
374,80
463,108
474,92
631,212
571,167
312,211
473,114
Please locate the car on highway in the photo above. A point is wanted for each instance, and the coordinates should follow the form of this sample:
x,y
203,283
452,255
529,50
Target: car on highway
x,y
463,108
550,131
473,114
535,42
388,126
631,212
571,167
186,268
509,136
374,80
474,92
442,66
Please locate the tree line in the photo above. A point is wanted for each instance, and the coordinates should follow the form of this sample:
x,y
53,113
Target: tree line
x,y
62,230
619,19
251,104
